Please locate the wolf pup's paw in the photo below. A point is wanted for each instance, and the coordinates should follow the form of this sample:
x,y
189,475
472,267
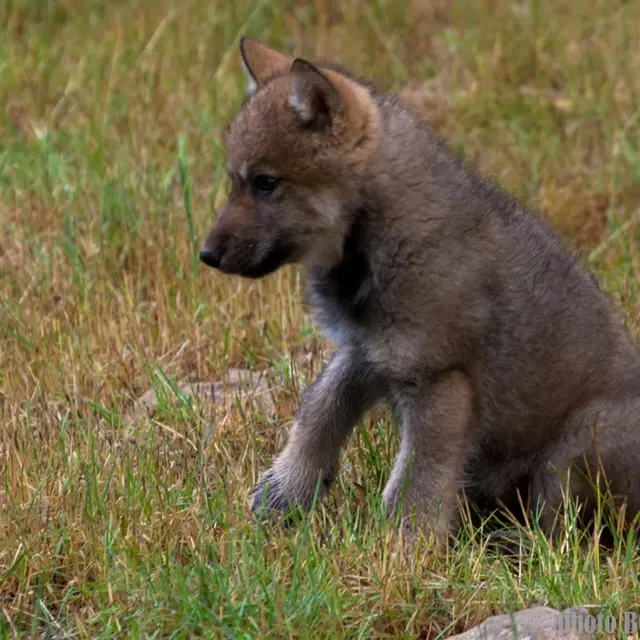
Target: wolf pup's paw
x,y
269,497
274,496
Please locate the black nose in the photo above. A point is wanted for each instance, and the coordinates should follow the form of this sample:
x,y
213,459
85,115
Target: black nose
x,y
211,257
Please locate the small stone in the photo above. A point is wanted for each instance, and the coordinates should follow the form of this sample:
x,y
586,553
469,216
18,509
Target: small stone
x,y
242,383
539,623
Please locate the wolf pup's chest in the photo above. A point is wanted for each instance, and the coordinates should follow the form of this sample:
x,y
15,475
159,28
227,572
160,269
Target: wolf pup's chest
x,y
349,309
342,296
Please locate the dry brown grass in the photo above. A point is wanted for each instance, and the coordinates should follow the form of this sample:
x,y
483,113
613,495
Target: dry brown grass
x,y
112,525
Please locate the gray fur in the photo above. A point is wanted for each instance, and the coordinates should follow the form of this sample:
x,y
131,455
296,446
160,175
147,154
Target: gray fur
x,y
501,357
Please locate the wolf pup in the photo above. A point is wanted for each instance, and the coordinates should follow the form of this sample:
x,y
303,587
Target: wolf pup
x,y
501,357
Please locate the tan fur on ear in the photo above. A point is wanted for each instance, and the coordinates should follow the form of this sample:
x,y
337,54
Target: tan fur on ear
x,y
359,125
262,62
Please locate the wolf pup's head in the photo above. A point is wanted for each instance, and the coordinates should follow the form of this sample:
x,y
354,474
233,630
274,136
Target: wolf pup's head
x,y
299,151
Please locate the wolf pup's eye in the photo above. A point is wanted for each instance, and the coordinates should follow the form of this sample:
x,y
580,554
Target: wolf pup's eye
x,y
264,185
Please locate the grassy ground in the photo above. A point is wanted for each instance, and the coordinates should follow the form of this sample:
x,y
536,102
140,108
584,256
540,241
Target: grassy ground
x,y
111,115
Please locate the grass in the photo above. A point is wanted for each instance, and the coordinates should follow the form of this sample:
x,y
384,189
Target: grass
x,y
114,524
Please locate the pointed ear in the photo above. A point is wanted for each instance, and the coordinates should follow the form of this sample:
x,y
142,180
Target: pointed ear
x,y
313,96
261,62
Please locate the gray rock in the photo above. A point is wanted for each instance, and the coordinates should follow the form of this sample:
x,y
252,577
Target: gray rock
x,y
539,623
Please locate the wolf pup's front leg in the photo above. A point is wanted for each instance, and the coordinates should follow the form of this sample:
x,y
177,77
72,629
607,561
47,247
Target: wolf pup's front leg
x,y
426,475
329,409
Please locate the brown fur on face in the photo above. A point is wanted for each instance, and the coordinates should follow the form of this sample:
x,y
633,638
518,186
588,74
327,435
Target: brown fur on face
x,y
502,359
315,132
